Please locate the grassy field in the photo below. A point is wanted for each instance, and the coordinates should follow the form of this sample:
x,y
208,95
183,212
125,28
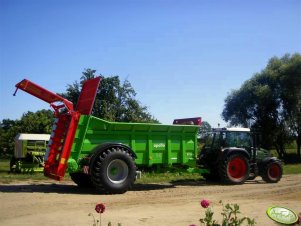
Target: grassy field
x,y
147,177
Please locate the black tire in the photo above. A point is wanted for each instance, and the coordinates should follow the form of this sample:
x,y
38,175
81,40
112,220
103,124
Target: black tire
x,y
113,170
272,172
234,169
82,180
212,176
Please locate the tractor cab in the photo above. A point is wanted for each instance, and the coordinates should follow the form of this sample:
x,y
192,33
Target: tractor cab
x,y
229,137
222,139
232,155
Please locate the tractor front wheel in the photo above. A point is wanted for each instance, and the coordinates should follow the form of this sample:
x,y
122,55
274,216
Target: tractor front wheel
x,y
114,170
235,169
272,172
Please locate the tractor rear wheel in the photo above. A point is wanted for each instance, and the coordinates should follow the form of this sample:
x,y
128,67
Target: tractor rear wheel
x,y
235,169
114,170
82,180
272,172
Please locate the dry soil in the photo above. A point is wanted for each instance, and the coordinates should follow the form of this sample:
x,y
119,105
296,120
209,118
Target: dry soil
x,y
45,203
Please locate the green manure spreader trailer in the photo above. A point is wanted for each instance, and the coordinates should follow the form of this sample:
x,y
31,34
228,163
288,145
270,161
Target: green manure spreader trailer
x,y
107,155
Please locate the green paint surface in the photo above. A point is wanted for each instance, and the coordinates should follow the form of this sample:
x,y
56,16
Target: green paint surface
x,y
152,143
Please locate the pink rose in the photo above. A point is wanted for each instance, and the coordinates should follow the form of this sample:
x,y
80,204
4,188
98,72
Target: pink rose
x,y
100,208
205,203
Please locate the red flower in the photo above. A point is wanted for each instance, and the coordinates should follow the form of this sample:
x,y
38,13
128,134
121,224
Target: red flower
x,y
100,208
204,203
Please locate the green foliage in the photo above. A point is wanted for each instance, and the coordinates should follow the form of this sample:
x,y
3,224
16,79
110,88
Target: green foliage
x,y
230,216
30,122
208,219
292,168
270,103
205,129
115,100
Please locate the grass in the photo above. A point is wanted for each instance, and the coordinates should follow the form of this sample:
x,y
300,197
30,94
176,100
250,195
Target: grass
x,y
292,168
7,177
147,177
167,177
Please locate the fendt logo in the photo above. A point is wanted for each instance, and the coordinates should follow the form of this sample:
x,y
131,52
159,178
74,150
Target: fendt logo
x,y
282,215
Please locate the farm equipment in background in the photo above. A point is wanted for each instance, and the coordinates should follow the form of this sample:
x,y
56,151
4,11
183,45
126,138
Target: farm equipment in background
x,y
232,155
106,155
29,153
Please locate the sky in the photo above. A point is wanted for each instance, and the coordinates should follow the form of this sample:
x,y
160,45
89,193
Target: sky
x,y
181,57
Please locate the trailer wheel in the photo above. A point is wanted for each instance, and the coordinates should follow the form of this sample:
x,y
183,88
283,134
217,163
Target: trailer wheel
x,y
114,170
272,172
82,180
235,169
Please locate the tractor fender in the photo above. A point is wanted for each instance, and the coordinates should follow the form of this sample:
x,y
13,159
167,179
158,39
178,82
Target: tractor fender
x,y
230,151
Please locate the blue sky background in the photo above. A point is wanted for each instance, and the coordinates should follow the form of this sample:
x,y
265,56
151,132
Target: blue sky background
x,y
181,57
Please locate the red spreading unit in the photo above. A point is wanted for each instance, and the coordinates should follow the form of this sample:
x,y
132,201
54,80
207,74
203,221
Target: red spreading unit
x,y
188,121
66,122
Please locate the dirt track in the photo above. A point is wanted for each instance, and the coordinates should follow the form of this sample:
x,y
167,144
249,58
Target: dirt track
x,y
44,203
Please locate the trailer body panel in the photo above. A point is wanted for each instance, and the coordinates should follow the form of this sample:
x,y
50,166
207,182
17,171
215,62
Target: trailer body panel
x,y
152,143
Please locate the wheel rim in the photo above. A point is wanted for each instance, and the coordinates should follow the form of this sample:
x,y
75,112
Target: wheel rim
x,y
117,171
274,171
237,169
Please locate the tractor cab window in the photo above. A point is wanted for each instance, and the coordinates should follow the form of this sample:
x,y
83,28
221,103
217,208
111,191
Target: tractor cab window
x,y
208,140
236,139
216,141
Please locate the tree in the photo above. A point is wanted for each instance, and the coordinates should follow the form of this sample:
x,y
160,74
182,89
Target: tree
x,y
115,100
270,102
30,122
205,128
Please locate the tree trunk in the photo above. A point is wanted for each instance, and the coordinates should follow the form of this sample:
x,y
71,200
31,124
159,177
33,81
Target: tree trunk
x,y
298,140
299,145
279,152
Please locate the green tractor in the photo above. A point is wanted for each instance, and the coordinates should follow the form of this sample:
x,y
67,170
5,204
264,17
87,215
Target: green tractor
x,y
232,155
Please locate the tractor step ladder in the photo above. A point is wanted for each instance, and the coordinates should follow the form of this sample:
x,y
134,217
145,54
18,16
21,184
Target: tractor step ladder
x,y
65,124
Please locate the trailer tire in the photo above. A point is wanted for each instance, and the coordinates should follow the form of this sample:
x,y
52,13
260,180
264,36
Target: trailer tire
x,y
272,172
234,169
113,169
82,180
